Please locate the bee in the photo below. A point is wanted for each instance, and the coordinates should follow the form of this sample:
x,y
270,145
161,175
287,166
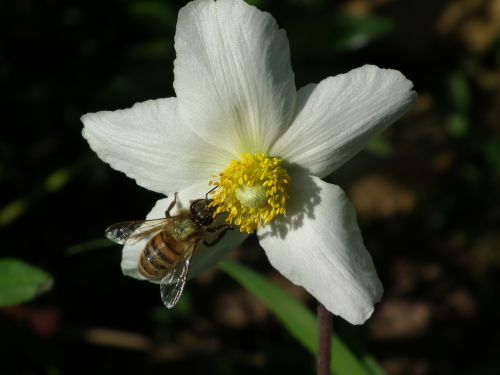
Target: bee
x,y
172,241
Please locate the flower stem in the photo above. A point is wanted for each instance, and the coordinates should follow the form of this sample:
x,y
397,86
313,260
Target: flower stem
x,y
325,340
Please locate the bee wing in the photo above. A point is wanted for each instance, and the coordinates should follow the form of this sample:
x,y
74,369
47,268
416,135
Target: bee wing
x,y
134,231
172,285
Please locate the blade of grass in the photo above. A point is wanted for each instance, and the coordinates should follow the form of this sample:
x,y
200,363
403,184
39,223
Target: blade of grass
x,y
295,317
83,247
52,183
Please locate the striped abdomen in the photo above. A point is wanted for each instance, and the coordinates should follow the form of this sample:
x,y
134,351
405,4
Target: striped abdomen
x,y
161,254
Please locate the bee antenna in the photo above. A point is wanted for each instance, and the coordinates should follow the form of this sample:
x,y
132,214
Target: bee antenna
x,y
206,195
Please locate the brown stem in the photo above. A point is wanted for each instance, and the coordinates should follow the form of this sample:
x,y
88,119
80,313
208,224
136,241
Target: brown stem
x,y
325,340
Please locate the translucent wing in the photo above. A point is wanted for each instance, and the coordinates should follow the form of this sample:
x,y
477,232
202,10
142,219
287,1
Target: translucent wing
x,y
134,230
172,285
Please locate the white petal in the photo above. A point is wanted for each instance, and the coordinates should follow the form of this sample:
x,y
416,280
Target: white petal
x,y
203,258
336,118
233,77
319,246
149,143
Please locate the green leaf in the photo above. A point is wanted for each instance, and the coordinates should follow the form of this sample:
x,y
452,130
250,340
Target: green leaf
x,y
154,13
380,147
351,33
355,32
296,318
491,152
58,179
205,260
457,125
12,211
373,366
459,92
21,282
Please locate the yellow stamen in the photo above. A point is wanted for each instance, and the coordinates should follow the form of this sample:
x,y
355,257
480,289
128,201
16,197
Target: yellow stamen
x,y
252,191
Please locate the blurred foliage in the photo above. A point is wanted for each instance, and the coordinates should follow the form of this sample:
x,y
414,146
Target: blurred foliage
x,y
20,282
426,191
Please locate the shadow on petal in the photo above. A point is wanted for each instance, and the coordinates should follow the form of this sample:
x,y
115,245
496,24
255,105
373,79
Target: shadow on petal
x,y
304,197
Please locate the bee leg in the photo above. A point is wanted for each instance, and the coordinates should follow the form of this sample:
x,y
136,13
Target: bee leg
x,y
220,228
171,205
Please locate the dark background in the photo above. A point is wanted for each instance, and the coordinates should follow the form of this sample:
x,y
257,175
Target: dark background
x,y
426,191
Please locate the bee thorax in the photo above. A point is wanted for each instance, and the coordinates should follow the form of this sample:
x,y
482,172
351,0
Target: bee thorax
x,y
185,228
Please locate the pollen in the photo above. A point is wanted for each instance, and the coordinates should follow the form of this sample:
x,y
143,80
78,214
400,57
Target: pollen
x,y
252,191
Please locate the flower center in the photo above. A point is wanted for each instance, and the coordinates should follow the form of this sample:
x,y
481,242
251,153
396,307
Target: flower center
x,y
252,191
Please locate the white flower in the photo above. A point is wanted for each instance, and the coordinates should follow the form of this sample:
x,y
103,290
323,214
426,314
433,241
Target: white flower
x,y
238,116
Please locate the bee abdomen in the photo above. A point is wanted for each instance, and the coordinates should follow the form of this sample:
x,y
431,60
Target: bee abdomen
x,y
159,256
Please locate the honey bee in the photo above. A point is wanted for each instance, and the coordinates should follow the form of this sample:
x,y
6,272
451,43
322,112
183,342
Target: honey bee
x,y
172,241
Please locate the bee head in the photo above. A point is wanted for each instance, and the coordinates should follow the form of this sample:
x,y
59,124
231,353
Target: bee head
x,y
201,213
